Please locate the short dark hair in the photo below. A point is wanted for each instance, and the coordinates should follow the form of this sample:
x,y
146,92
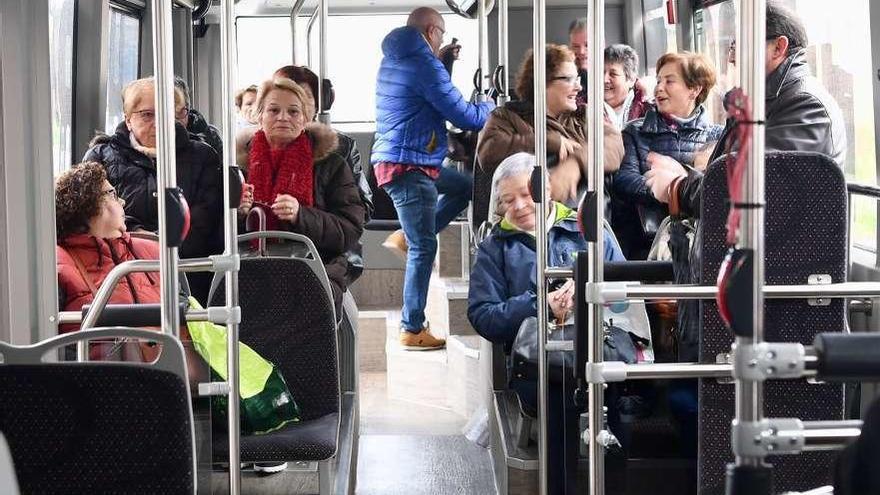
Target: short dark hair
x,y
781,21
304,76
626,57
180,83
78,196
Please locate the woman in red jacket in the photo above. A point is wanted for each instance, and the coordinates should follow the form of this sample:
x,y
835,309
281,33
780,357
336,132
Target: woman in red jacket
x,y
92,240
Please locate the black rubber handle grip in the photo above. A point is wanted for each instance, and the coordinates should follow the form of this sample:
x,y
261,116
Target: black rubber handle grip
x,y
133,315
848,356
643,271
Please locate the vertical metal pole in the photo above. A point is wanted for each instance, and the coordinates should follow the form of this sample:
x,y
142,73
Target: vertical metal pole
x,y
309,26
294,13
596,250
230,231
503,52
482,46
323,115
752,29
166,157
539,43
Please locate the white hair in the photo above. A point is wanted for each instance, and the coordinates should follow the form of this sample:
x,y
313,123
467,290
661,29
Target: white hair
x,y
514,165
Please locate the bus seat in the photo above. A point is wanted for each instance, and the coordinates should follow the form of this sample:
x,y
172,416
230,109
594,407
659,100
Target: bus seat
x,y
480,196
384,213
69,424
797,245
287,316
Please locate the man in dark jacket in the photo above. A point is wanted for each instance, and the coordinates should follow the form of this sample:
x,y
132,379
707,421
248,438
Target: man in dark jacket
x,y
129,157
800,116
800,113
195,122
414,99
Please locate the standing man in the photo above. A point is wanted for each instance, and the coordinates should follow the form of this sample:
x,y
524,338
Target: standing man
x,y
414,99
577,42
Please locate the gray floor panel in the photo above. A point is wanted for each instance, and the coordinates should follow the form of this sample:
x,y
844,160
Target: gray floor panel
x,y
411,465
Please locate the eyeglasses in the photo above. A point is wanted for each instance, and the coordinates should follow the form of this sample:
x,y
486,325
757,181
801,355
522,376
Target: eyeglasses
x,y
111,193
147,116
571,80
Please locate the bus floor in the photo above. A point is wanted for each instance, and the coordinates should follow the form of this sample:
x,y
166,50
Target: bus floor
x,y
411,439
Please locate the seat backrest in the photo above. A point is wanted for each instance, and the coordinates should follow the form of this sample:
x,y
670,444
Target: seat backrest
x,y
287,317
98,427
481,195
805,234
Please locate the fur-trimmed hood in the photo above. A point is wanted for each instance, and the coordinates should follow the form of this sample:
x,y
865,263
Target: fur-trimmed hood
x,y
324,142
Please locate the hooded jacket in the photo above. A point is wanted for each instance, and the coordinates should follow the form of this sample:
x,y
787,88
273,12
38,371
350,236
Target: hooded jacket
x,y
336,221
414,99
133,174
502,290
198,126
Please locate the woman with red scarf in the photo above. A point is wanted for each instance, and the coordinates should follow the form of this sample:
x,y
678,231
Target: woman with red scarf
x,y
299,175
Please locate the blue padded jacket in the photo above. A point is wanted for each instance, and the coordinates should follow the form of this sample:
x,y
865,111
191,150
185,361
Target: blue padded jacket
x,y
502,289
414,98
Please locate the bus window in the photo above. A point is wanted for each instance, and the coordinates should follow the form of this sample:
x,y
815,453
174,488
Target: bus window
x,y
122,67
352,66
61,16
840,58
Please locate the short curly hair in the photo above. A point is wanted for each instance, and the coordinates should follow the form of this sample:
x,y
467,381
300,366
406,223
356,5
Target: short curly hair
x,y
79,193
556,55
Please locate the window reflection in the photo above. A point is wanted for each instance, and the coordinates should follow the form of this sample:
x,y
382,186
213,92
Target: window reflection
x,y
61,32
122,67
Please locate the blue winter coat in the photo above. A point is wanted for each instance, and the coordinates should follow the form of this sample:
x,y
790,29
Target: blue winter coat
x,y
414,99
502,289
652,133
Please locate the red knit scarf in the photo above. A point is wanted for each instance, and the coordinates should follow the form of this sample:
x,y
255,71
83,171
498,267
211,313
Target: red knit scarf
x,y
284,171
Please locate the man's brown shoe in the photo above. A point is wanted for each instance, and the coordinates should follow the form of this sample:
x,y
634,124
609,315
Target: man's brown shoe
x,y
396,242
422,341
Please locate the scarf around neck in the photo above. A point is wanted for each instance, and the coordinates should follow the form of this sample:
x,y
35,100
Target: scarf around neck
x,y
288,170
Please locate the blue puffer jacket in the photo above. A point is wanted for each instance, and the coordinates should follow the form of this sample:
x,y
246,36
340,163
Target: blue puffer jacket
x,y
502,289
414,99
652,133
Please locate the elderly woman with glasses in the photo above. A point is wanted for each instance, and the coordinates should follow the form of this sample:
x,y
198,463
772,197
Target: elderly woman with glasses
x,y
129,157
92,240
510,128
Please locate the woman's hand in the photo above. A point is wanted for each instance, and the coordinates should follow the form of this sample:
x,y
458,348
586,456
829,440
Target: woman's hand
x,y
247,200
286,207
561,301
568,148
564,179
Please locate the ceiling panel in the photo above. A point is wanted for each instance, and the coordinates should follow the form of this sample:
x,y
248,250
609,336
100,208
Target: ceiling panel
x,y
282,7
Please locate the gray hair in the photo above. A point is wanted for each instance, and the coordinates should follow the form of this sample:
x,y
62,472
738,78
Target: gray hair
x,y
625,56
514,165
579,24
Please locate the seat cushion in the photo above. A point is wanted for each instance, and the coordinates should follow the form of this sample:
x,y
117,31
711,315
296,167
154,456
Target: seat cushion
x,y
313,440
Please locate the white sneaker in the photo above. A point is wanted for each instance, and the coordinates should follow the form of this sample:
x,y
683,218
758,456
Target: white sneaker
x,y
270,467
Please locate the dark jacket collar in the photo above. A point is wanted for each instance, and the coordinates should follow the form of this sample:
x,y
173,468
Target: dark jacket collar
x,y
654,123
122,136
790,71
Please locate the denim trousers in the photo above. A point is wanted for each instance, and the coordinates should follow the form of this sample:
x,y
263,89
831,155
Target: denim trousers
x,y
422,216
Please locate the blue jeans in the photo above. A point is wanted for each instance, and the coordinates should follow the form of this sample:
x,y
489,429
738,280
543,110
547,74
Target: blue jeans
x,y
422,216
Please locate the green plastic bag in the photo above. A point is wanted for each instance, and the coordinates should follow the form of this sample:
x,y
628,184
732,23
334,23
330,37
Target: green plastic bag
x,y
266,403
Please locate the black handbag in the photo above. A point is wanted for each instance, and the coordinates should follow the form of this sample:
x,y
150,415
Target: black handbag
x,y
619,345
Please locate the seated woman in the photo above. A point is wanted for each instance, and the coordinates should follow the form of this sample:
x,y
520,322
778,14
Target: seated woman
x,y
625,100
510,128
129,156
503,291
92,240
676,127
299,177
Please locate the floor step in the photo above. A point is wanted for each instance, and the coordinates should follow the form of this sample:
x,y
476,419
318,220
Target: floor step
x,y
450,250
464,377
372,337
415,376
379,289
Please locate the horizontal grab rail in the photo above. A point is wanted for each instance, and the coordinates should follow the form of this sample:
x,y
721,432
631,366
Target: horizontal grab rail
x,y
858,189
840,290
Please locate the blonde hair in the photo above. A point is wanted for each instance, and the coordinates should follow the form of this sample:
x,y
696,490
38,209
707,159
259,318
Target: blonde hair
x,y
133,94
285,84
239,95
